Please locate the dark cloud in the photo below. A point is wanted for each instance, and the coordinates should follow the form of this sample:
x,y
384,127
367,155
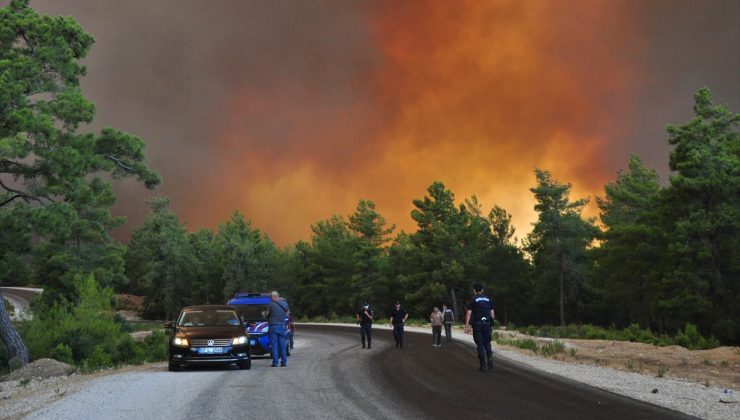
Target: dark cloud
x,y
291,111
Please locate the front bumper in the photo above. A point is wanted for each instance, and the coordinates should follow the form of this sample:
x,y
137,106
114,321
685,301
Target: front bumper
x,y
259,343
193,356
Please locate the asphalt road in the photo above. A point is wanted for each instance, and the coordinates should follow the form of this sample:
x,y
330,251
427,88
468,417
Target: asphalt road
x,y
329,377
21,298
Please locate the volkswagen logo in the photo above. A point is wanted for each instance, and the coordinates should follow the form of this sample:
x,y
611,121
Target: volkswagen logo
x,y
210,342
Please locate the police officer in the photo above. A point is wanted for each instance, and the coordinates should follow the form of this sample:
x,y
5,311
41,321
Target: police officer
x,y
365,318
398,318
480,315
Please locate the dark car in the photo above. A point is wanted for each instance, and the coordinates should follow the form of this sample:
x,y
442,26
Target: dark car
x,y
208,335
253,309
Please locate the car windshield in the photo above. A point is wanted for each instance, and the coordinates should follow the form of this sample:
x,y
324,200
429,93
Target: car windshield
x,y
208,318
252,312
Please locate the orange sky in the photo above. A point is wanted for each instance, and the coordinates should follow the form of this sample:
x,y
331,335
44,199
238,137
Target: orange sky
x,y
291,111
471,94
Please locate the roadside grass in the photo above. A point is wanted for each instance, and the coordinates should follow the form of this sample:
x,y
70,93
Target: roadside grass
x,y
134,326
548,349
662,370
688,337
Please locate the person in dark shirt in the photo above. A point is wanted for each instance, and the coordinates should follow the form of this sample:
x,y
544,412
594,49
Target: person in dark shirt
x,y
365,318
449,318
480,316
398,318
290,333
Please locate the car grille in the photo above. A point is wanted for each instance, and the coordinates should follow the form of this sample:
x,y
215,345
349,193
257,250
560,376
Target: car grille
x,y
203,342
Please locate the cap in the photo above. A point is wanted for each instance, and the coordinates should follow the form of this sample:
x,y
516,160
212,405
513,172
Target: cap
x,y
478,287
398,303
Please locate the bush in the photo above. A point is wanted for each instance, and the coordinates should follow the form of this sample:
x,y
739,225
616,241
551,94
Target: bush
x,y
99,358
691,338
553,347
638,335
62,353
527,343
154,347
88,334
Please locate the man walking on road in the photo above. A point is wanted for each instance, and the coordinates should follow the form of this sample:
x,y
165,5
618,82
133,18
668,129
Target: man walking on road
x,y
436,318
277,314
449,318
365,318
480,314
398,318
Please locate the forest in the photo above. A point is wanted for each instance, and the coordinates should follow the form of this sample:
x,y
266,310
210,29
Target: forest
x,y
662,253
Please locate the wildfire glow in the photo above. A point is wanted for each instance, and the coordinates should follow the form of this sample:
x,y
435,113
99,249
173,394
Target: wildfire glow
x,y
474,94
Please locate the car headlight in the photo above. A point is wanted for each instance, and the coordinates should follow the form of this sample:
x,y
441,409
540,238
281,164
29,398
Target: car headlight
x,y
180,341
239,340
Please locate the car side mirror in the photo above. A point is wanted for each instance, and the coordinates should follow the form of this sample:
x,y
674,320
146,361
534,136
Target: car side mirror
x,y
168,325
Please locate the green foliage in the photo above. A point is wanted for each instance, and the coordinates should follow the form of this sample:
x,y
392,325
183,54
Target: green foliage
x,y
207,284
702,216
553,347
526,343
626,279
153,348
63,353
691,338
246,255
343,266
56,192
159,262
98,359
558,247
662,370
87,332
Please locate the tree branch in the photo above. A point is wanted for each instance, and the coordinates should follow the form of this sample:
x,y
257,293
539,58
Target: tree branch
x,y
120,163
18,194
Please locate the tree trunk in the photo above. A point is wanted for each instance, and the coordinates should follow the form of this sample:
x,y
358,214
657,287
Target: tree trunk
x,y
454,303
562,294
16,348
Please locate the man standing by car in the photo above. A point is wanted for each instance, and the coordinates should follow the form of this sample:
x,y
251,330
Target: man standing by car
x,y
398,318
278,311
365,318
449,317
480,315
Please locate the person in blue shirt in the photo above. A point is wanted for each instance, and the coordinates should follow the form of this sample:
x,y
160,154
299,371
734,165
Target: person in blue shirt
x,y
278,312
480,316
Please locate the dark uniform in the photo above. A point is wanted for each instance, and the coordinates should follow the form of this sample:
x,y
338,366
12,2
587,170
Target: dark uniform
x,y
398,317
366,325
480,319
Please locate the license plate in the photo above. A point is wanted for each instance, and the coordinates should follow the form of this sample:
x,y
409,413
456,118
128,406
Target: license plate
x,y
210,350
252,342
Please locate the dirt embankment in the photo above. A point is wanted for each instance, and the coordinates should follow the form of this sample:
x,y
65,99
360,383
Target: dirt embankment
x,y
716,367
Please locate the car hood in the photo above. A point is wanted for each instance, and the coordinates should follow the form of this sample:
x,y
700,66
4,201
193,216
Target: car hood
x,y
211,332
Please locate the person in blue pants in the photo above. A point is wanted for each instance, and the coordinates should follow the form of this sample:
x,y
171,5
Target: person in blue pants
x,y
278,311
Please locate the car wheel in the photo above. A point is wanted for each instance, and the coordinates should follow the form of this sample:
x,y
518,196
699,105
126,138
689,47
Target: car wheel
x,y
174,367
246,365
